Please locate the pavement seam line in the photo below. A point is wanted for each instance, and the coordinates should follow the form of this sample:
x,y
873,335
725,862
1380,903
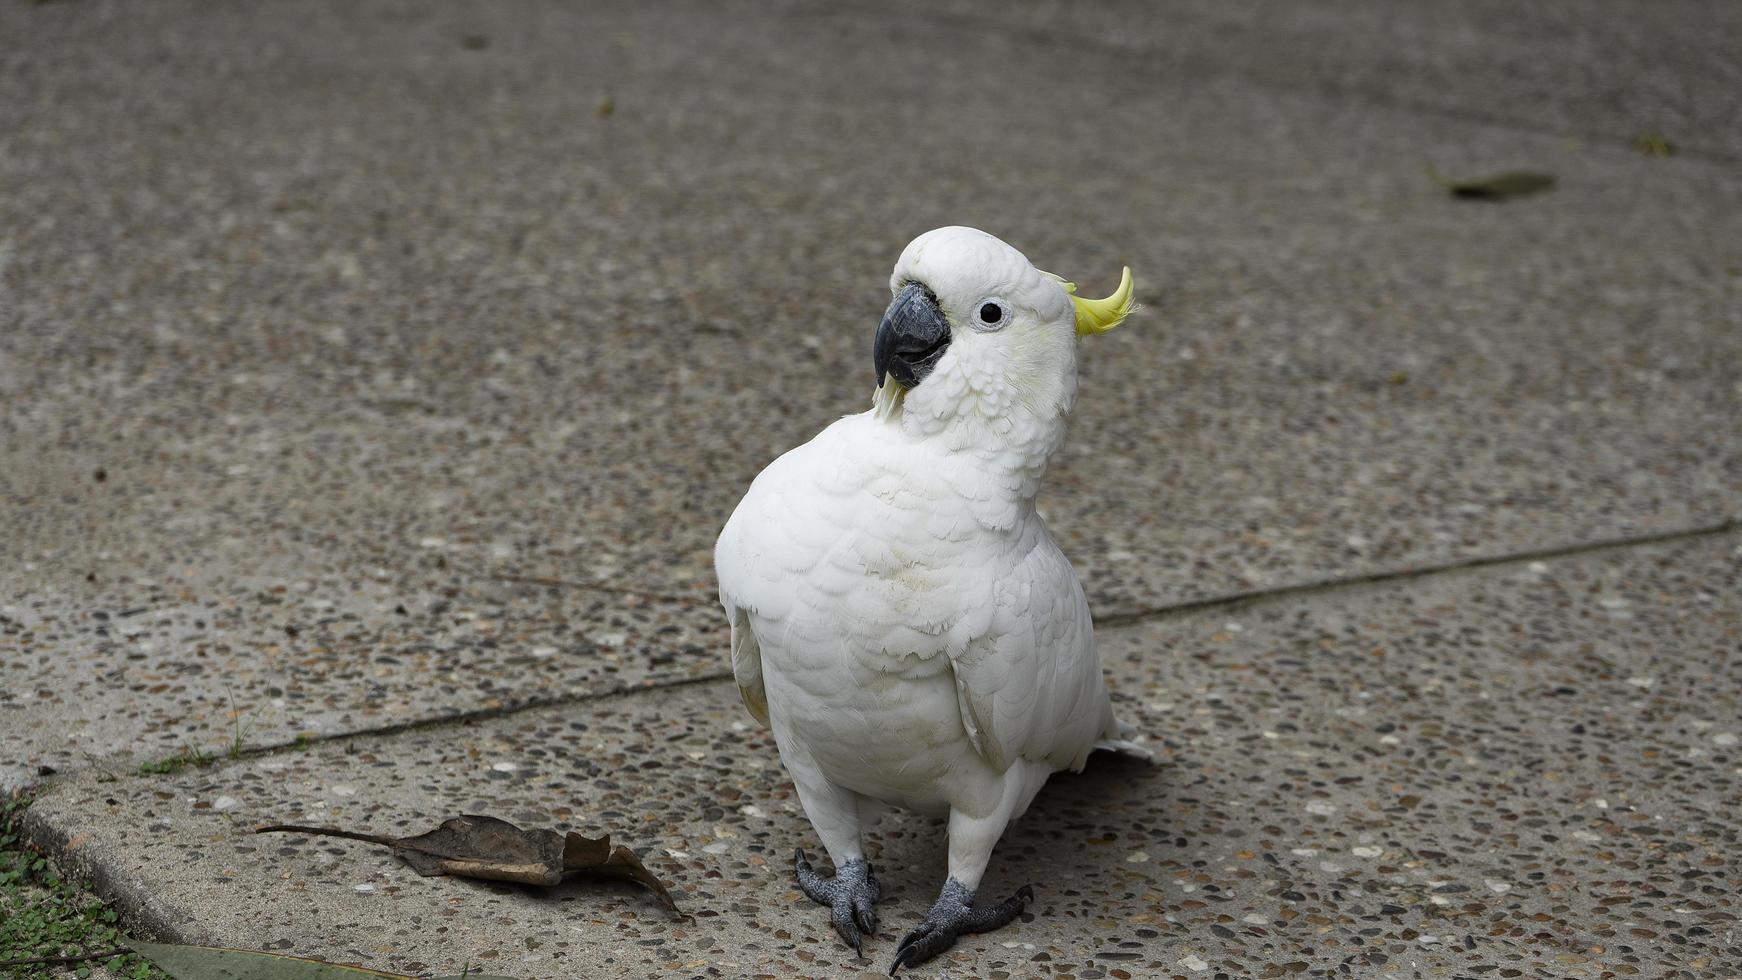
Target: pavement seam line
x,y
422,724
478,715
1326,586
1115,621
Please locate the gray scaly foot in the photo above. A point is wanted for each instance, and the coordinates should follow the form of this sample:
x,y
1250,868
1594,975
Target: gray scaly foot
x,y
850,896
953,916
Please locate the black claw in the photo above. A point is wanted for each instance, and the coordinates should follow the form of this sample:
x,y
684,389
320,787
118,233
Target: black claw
x,y
843,918
920,945
908,952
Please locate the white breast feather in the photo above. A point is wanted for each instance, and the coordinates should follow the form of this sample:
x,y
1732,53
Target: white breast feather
x,y
852,546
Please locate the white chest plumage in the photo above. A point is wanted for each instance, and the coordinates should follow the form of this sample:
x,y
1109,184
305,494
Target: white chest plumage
x,y
877,570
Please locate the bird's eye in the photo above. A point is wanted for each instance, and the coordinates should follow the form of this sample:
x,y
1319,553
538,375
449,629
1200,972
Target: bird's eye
x,y
991,314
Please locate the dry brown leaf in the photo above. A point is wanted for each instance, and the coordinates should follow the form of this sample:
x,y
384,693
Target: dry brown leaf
x,y
475,846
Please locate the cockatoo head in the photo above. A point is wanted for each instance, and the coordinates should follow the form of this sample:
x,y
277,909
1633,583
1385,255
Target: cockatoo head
x,y
976,331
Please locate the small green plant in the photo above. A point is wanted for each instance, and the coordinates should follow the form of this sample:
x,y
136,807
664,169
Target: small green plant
x,y
1653,145
43,916
196,758
240,735
185,759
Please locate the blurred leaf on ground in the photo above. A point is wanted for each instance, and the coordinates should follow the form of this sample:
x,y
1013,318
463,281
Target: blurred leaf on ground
x,y
1496,187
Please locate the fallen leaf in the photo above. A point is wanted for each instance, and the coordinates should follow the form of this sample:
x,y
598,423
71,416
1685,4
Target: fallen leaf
x,y
474,846
218,963
1498,187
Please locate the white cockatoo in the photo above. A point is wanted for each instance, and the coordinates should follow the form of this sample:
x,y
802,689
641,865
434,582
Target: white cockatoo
x,y
901,617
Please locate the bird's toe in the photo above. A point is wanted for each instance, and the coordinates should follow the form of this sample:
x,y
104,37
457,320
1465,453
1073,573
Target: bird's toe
x,y
815,887
851,896
865,914
920,945
842,918
952,917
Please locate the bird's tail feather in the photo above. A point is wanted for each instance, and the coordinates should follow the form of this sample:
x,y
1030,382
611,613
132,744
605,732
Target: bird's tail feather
x,y
1125,746
1123,739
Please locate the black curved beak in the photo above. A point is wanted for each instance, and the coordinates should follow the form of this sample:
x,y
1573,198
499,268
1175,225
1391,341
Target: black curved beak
x,y
911,338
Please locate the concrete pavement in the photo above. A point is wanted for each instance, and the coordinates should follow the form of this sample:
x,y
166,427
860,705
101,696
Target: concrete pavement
x,y
1529,766
390,370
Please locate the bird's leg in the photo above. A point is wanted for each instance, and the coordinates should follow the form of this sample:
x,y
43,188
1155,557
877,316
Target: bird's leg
x,y
851,894
954,915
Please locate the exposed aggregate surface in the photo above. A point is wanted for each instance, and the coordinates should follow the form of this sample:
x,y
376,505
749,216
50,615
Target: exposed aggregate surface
x,y
1527,771
388,371
380,312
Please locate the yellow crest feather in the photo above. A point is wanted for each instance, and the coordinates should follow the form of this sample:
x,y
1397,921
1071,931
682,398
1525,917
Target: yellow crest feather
x,y
1101,315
